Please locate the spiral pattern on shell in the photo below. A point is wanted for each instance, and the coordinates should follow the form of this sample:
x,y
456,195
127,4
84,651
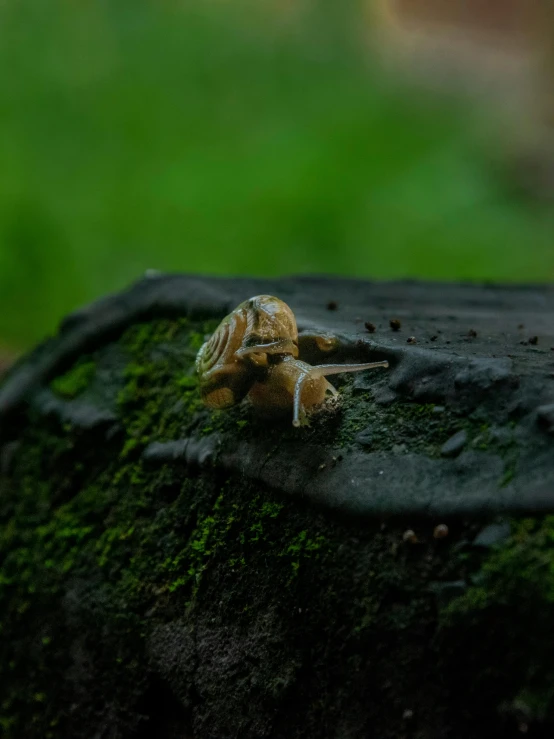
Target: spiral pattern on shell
x,y
228,364
223,343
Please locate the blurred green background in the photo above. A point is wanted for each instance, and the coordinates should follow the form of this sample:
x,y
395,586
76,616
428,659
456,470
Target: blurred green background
x,y
224,138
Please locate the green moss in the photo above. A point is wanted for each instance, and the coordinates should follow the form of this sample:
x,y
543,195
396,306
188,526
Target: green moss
x,y
524,565
160,397
197,339
406,426
75,381
513,588
508,475
271,509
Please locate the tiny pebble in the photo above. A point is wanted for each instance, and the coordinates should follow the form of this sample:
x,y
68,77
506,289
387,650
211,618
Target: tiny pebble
x,y
395,324
384,396
369,327
412,340
434,337
332,305
534,340
410,536
441,531
365,437
472,333
491,535
454,445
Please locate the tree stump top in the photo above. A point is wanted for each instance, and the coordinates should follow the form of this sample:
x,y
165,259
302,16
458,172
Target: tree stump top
x,y
461,423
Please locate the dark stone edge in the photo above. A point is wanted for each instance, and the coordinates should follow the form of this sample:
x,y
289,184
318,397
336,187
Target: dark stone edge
x,y
346,486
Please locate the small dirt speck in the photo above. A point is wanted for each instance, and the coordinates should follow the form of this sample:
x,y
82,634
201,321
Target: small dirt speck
x,y
395,324
472,333
370,327
332,305
434,337
534,340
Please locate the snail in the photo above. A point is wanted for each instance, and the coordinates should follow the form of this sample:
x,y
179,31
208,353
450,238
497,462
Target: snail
x,y
254,352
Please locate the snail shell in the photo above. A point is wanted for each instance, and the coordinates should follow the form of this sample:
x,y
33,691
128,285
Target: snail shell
x,y
230,361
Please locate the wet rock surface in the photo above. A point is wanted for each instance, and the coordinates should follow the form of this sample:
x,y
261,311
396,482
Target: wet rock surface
x,y
167,571
469,358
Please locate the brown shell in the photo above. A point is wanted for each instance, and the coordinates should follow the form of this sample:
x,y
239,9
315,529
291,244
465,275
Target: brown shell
x,y
260,320
269,319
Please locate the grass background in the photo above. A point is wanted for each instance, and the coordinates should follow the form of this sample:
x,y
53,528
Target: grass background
x,y
227,139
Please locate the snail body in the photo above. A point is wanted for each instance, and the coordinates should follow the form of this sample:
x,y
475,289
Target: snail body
x,y
254,352
275,393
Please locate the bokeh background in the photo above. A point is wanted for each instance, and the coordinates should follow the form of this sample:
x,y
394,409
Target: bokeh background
x,y
264,138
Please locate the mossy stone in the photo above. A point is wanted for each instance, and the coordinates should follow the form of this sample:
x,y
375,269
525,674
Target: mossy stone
x,y
168,571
